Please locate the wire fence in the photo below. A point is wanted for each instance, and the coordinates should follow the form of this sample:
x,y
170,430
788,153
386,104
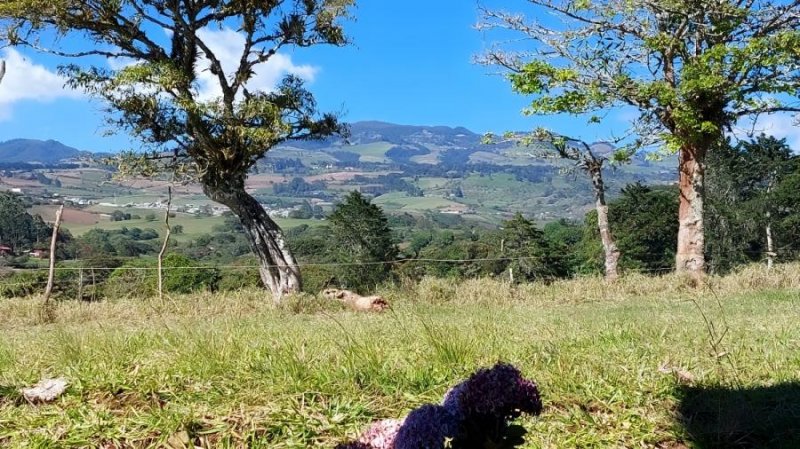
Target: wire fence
x,y
786,251
73,263
84,276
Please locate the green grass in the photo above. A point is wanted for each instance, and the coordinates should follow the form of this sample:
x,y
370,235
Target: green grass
x,y
399,201
233,371
192,226
371,152
307,156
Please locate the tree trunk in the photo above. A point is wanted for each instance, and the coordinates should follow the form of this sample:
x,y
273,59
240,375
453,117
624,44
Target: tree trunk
x,y
279,270
610,249
690,257
770,247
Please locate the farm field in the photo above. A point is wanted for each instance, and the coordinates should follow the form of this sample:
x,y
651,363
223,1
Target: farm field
x,y
78,222
645,362
397,201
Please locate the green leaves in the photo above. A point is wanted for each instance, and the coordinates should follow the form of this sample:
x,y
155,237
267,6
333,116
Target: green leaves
x,y
539,77
157,98
691,68
361,235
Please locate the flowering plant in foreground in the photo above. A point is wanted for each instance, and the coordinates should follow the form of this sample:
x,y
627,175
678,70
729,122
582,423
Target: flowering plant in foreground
x,y
475,414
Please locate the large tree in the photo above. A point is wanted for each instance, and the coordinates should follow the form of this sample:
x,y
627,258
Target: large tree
x,y
752,214
643,218
19,230
584,159
362,242
166,51
691,68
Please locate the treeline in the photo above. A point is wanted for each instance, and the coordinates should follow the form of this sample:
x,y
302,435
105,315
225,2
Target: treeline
x,y
27,166
19,230
752,207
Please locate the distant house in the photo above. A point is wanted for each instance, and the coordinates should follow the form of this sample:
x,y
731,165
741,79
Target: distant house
x,y
5,251
40,253
16,190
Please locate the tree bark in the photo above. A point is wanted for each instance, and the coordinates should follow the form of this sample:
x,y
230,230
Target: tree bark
x,y
610,249
279,270
690,257
770,245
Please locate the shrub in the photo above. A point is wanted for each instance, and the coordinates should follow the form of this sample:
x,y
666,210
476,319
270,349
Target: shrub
x,y
20,285
139,278
238,278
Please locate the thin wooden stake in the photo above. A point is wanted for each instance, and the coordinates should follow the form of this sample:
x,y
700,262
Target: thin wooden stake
x,y
80,284
51,277
164,248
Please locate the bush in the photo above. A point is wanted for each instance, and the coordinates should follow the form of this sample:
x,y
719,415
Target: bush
x,y
139,278
236,278
66,284
23,284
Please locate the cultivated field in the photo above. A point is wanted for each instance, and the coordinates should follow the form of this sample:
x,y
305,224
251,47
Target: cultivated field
x,y
647,362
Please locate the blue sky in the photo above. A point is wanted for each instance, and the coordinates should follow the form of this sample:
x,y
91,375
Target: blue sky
x,y
411,62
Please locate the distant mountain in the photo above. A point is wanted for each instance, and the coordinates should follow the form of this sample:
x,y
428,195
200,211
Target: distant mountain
x,y
367,132
41,151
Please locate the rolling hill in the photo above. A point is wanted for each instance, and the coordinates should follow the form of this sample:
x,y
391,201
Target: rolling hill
x,y
407,169
33,151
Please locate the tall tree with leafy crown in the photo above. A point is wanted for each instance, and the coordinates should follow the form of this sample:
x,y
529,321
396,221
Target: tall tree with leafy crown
x,y
691,68
164,46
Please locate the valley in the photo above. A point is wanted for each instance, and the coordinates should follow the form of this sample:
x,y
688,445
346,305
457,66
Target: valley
x,y
416,170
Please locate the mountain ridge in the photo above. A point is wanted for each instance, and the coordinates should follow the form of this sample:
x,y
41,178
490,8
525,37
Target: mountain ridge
x,y
37,151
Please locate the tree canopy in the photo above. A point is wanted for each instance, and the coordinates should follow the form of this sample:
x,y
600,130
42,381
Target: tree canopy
x,y
361,236
692,69
152,89
155,94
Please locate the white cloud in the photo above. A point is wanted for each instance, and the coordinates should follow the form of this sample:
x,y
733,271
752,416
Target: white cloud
x,y
227,46
27,81
782,126
121,63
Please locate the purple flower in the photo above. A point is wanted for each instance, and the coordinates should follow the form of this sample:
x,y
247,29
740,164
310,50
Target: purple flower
x,y
487,401
475,414
499,392
427,427
353,445
381,434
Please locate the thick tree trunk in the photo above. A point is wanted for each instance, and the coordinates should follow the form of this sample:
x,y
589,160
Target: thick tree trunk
x,y
279,270
690,257
610,249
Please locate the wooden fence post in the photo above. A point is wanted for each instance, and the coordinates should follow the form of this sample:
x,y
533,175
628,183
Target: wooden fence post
x,y
49,290
164,248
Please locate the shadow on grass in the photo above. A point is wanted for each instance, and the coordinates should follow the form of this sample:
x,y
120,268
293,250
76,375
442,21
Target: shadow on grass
x,y
760,417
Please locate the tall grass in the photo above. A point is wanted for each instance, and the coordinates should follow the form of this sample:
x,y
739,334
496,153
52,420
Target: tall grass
x,y
232,370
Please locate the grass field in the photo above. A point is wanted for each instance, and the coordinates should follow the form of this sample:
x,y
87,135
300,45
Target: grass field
x,y
193,226
234,371
371,152
397,201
